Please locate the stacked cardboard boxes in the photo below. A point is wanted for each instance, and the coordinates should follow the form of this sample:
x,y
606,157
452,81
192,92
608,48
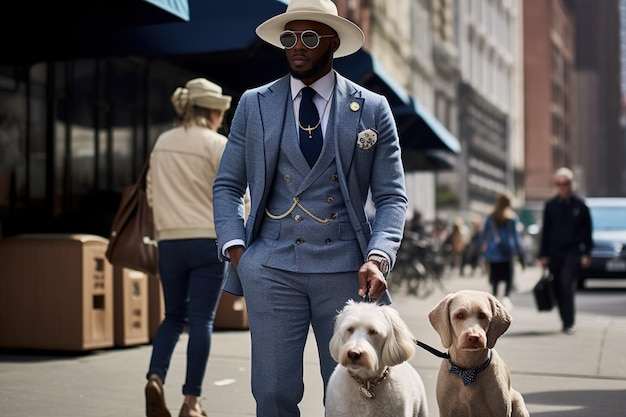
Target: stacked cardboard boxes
x,y
56,292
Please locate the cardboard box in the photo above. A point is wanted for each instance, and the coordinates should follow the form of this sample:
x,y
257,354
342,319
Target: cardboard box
x,y
231,313
130,312
56,292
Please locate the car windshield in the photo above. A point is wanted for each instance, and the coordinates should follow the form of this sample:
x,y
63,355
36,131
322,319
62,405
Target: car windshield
x,y
608,218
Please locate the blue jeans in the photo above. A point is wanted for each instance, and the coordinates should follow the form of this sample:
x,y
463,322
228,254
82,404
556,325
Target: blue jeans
x,y
191,276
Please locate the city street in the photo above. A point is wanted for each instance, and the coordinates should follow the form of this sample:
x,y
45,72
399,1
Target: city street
x,y
582,375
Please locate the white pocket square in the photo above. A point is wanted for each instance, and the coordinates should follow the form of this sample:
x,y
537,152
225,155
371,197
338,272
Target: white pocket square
x,y
367,139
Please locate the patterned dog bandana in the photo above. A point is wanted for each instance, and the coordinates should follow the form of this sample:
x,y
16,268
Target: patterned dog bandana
x,y
469,375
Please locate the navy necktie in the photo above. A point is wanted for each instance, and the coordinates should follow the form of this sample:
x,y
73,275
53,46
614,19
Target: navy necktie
x,y
310,127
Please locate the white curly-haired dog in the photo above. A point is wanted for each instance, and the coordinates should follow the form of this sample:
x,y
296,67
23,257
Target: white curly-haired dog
x,y
372,345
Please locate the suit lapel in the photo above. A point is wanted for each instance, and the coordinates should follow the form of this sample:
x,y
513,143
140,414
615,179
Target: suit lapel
x,y
271,101
348,110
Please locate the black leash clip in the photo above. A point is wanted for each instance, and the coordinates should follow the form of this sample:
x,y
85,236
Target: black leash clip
x,y
367,298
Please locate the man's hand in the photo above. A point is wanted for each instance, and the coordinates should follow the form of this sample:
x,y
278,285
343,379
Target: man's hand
x,y
234,253
371,280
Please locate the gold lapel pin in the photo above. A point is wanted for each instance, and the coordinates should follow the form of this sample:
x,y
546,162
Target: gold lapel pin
x,y
354,106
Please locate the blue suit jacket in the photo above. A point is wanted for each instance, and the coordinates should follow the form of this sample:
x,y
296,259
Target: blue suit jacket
x,y
251,155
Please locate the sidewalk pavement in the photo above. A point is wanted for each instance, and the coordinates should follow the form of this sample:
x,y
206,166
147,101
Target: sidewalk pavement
x,y
580,375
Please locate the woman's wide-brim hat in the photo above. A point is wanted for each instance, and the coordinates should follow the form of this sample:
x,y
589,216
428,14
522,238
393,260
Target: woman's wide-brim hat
x,y
323,11
204,93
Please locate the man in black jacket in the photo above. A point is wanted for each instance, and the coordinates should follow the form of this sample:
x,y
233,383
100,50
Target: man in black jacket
x,y
565,243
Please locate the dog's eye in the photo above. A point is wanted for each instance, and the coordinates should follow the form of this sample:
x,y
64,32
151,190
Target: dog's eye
x,y
350,330
482,316
372,332
460,316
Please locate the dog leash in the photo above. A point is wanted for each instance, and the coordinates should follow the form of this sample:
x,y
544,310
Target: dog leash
x,y
432,350
367,298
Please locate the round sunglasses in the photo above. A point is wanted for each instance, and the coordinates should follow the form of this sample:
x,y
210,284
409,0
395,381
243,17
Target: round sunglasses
x,y
309,38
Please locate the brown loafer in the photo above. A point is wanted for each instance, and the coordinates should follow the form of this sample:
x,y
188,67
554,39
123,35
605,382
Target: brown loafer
x,y
155,400
185,411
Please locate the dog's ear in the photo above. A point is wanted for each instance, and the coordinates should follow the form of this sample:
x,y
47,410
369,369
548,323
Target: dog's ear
x,y
500,321
400,345
336,341
440,320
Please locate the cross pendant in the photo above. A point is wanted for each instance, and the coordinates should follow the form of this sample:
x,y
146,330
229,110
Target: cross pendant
x,y
309,129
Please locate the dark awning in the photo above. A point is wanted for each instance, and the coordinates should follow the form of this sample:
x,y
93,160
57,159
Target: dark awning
x,y
117,28
178,8
362,68
428,160
419,129
34,31
213,27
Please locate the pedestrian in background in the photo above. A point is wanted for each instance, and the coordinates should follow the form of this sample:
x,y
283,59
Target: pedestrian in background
x,y
183,165
311,145
416,224
501,244
457,239
472,255
566,243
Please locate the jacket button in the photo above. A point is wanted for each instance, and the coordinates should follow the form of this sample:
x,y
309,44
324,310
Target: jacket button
x,y
297,217
334,216
298,241
287,177
329,241
330,199
334,177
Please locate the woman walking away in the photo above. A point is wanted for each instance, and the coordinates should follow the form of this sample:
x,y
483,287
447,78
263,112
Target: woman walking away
x,y
183,164
501,243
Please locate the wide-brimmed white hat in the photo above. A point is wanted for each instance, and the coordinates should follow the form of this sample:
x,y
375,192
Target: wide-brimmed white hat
x,y
204,93
323,11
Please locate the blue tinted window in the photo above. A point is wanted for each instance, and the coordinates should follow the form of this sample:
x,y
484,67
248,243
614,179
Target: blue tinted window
x,y
608,218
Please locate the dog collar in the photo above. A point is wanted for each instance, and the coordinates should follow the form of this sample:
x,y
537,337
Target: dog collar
x,y
469,375
366,385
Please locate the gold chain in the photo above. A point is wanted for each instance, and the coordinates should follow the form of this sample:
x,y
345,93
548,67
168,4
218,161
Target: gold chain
x,y
366,385
296,203
310,129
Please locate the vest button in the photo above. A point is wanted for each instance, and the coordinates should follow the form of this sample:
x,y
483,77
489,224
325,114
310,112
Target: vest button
x,y
329,241
334,216
287,177
298,241
297,217
330,199
334,177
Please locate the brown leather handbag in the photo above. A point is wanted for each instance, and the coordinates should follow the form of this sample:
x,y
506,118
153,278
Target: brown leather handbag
x,y
131,240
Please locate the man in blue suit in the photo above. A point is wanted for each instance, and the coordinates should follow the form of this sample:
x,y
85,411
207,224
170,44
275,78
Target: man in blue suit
x,y
307,245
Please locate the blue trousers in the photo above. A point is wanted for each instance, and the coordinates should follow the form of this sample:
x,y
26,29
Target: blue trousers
x,y
281,307
191,276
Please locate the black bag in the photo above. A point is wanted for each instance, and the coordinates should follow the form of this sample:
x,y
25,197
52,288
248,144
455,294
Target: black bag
x,y
544,293
131,241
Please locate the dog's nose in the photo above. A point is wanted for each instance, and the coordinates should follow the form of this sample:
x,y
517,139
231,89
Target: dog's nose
x,y
354,356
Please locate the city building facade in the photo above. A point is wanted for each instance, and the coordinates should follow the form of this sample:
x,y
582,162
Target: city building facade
x,y
573,97
489,103
602,148
550,95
